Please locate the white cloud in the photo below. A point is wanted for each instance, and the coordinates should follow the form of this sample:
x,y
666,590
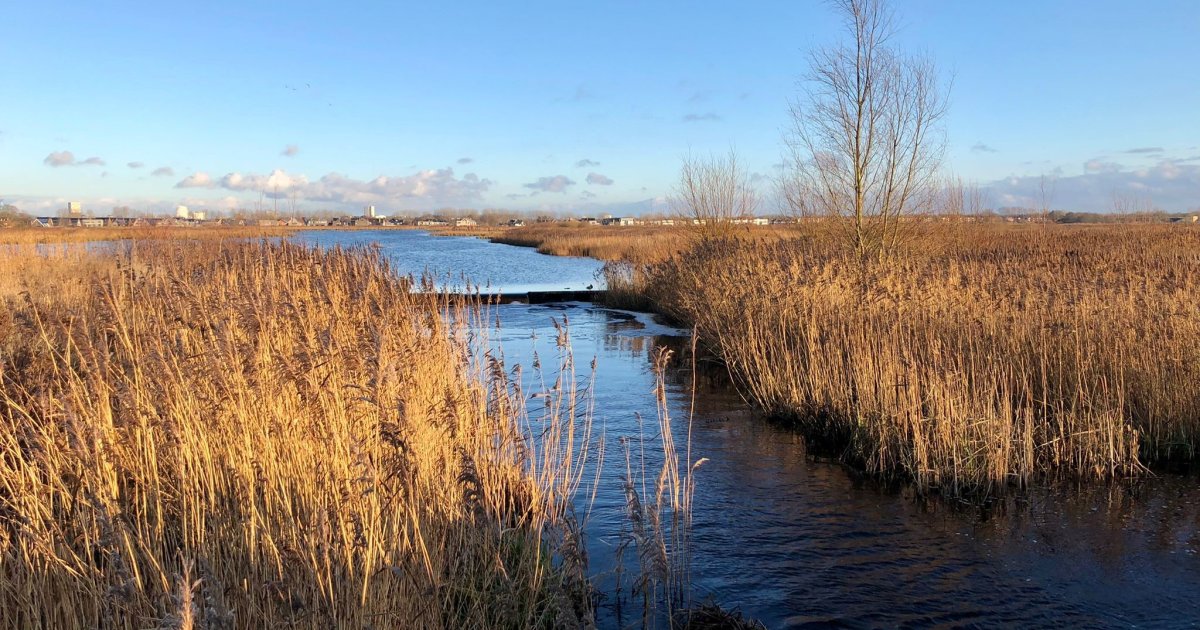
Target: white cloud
x,y
135,165
66,158
584,163
428,188
1171,185
196,180
164,171
290,150
555,184
705,117
598,179
59,158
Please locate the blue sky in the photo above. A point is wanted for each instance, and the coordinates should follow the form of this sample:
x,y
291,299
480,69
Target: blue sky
x,y
561,106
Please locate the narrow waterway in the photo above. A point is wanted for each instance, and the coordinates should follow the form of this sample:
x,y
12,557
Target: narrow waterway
x,y
800,542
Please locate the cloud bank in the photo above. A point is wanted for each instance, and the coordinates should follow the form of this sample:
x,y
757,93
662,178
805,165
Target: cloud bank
x,y
426,188
1172,185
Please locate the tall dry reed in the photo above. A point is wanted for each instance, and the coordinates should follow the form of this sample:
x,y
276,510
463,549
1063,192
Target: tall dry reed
x,y
633,244
35,235
973,360
261,435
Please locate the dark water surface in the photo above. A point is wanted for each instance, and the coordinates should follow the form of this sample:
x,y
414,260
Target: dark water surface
x,y
798,542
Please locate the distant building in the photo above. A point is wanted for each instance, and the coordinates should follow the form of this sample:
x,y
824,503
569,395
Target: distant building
x,y
369,212
74,209
181,212
465,222
619,221
516,223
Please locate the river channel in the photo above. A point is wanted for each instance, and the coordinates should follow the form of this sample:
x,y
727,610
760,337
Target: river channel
x,y
799,541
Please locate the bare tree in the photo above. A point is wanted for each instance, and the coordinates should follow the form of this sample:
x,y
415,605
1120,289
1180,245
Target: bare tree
x,y
713,194
960,198
1047,186
866,139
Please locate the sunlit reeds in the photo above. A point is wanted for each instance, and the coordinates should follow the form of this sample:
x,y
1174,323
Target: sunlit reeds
x,y
258,435
35,235
634,244
968,363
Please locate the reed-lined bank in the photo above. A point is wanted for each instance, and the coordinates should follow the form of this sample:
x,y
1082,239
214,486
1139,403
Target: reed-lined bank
x,y
40,235
221,433
977,358
252,435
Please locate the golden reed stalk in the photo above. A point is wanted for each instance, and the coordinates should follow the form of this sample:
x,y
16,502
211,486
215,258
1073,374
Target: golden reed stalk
x,y
226,434
978,358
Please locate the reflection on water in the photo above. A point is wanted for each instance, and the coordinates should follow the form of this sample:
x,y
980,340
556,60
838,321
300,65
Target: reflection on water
x,y
453,260
796,541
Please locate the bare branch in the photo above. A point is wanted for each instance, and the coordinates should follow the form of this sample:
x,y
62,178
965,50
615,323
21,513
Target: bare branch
x,y
866,139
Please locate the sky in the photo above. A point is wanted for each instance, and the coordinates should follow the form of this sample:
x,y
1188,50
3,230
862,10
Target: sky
x,y
572,107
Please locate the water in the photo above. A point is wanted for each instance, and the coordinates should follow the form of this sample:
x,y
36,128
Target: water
x,y
451,259
796,541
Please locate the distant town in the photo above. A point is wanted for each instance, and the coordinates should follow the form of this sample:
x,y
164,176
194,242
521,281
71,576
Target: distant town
x,y
75,215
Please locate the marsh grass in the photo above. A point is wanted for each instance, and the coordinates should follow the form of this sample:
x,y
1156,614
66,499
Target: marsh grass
x,y
39,235
229,434
633,244
972,361
226,433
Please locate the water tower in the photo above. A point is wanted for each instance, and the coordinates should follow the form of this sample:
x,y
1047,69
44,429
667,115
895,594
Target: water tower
x,y
181,212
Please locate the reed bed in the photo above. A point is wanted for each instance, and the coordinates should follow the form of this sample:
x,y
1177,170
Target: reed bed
x,y
635,245
977,359
639,245
230,434
39,235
